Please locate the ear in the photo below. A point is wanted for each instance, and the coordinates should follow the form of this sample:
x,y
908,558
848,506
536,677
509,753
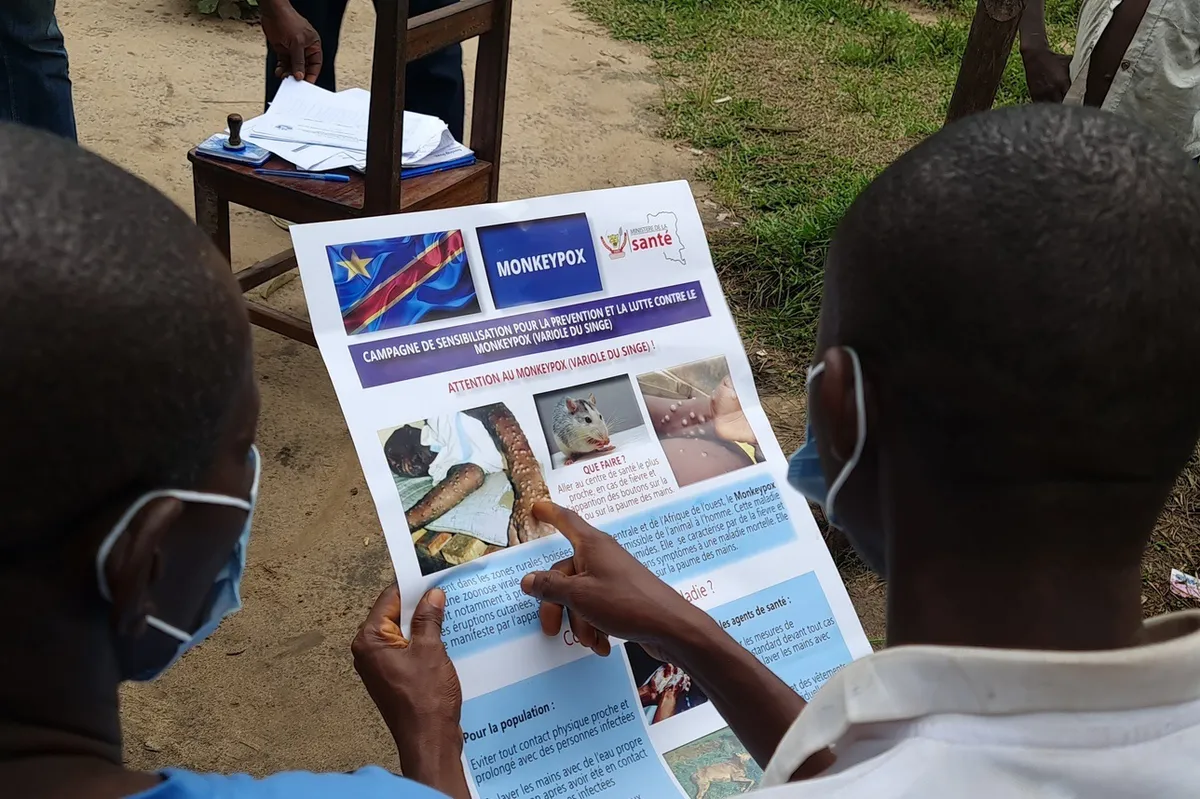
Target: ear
x,y
837,414
592,398
572,405
136,562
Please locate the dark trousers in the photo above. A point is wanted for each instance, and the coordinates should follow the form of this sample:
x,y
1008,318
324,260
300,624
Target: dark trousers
x,y
34,87
432,85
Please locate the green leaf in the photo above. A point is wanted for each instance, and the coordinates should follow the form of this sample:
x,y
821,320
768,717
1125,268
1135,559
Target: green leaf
x,y
206,6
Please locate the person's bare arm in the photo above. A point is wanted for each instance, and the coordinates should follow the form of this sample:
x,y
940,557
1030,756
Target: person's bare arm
x,y
524,472
606,591
461,481
1033,26
1047,73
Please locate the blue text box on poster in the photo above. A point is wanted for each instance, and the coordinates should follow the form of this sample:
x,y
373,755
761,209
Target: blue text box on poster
x,y
521,745
790,628
485,605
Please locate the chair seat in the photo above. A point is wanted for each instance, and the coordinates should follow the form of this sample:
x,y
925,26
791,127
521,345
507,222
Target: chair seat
x,y
322,201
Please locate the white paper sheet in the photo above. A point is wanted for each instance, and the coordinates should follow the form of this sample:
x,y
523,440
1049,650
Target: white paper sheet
x,y
302,112
318,130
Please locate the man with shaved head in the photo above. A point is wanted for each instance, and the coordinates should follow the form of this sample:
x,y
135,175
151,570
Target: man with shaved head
x,y
1004,390
127,423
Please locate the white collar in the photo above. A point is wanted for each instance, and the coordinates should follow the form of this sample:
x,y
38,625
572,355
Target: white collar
x,y
909,682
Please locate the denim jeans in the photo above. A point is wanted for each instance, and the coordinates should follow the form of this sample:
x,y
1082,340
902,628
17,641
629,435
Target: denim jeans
x,y
432,85
35,89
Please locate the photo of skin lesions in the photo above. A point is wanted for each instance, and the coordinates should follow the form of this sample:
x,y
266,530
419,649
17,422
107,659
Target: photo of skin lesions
x,y
698,418
390,283
590,421
716,766
468,481
664,689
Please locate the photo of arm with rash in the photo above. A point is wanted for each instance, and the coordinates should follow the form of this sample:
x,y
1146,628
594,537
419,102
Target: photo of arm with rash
x,y
474,511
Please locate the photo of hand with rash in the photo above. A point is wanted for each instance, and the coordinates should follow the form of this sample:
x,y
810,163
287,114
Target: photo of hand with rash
x,y
590,420
699,421
468,481
664,689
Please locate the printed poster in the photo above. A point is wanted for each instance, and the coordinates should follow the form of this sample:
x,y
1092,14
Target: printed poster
x,y
579,349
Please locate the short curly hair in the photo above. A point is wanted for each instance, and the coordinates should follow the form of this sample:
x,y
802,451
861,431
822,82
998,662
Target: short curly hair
x,y
122,339
1025,287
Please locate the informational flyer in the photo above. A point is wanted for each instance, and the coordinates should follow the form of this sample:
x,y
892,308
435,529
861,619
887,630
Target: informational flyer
x,y
579,349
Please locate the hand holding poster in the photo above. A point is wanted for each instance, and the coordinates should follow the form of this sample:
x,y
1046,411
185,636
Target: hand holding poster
x,y
576,349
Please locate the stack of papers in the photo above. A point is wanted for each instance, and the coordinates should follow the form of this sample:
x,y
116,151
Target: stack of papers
x,y
319,130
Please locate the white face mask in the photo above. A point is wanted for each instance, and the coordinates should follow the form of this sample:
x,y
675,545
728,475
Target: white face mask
x,y
224,599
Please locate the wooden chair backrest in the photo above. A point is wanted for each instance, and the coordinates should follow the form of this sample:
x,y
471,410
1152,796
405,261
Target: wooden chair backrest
x,y
399,40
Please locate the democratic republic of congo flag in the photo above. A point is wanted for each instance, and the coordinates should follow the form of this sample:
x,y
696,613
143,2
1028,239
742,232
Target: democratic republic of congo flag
x,y
398,282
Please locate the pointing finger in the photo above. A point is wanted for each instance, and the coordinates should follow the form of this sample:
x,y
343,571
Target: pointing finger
x,y
573,528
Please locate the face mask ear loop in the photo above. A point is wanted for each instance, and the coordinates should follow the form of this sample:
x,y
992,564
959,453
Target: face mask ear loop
x,y
813,371
119,528
860,407
169,629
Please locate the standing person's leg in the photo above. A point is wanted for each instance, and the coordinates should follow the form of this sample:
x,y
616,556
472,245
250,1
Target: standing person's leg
x,y
326,17
35,88
434,84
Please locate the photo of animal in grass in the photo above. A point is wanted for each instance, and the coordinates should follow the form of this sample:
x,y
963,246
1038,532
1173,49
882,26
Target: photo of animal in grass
x,y
714,767
698,418
468,481
590,420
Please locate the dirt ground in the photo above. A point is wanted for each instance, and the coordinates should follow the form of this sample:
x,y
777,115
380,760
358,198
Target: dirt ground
x,y
274,688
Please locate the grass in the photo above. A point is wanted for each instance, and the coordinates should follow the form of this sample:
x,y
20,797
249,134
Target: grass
x,y
798,104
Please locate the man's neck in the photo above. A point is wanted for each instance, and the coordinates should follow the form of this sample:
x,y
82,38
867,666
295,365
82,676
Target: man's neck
x,y
991,567
1069,608
59,711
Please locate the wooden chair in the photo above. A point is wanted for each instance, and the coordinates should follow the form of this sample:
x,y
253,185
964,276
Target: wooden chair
x,y
398,40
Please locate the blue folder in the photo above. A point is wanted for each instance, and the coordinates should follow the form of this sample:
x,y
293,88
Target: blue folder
x,y
417,171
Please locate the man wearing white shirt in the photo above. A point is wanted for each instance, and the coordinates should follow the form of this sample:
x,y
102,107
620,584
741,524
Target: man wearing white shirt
x,y
1003,394
1137,58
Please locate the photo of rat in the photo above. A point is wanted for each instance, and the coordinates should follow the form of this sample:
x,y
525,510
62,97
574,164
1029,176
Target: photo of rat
x,y
579,428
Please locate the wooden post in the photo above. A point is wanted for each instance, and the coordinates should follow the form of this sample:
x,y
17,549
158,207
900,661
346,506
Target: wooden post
x,y
992,33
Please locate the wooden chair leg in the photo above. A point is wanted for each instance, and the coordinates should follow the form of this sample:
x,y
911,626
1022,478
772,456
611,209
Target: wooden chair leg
x,y
212,216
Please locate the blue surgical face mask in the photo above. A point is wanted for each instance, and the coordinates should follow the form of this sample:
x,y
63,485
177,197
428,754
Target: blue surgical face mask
x,y
804,468
225,597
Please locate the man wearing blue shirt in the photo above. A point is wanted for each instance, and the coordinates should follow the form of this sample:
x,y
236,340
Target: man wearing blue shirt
x,y
129,419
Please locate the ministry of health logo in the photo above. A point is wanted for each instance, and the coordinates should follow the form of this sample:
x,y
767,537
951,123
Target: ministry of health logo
x,y
615,243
